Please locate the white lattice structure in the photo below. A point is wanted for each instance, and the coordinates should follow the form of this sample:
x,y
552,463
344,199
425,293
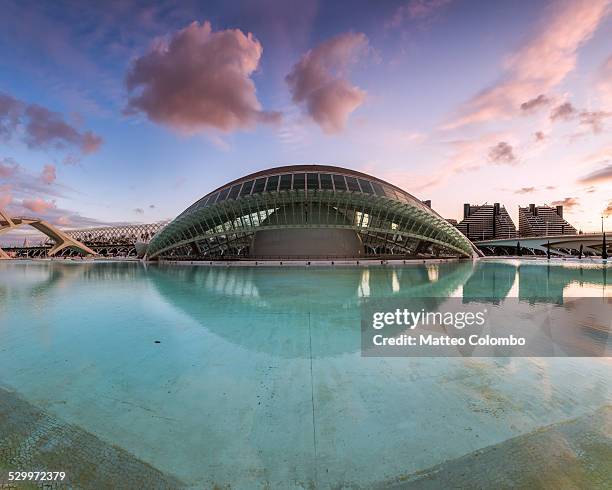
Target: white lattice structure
x,y
125,234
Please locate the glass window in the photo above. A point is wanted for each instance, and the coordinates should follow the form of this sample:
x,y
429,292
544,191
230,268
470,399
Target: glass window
x,y
200,204
401,196
352,184
272,184
298,182
234,191
246,188
326,181
365,186
223,194
259,186
390,193
285,182
313,181
378,189
339,183
213,198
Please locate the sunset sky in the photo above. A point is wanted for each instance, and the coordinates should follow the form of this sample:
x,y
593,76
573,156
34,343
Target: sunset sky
x,y
130,111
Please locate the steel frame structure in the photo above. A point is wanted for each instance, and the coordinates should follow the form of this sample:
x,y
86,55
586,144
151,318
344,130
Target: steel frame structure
x,y
387,219
117,235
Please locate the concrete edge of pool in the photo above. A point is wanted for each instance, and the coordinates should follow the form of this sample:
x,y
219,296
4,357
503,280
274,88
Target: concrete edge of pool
x,y
326,262
572,453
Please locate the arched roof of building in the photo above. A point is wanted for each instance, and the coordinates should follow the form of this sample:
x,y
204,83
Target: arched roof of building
x,y
281,185
377,186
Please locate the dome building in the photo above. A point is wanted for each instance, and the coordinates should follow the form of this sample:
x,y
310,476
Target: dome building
x,y
307,212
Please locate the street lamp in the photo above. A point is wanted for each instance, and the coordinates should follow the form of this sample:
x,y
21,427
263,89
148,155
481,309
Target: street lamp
x,y
604,251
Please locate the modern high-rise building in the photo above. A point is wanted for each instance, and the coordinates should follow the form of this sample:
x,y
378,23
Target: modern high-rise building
x,y
543,220
486,222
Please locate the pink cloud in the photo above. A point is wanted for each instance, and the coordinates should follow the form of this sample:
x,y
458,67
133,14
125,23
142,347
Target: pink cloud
x,y
38,205
535,103
598,176
604,84
568,203
199,79
539,65
467,155
5,196
318,81
47,128
525,190
25,184
502,153
10,114
42,128
594,120
603,155
563,112
48,175
8,168
63,221
416,9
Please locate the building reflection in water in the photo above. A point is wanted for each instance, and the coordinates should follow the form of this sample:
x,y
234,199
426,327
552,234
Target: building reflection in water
x,y
533,281
285,301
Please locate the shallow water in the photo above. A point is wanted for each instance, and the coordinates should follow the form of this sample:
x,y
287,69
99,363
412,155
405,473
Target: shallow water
x,y
250,377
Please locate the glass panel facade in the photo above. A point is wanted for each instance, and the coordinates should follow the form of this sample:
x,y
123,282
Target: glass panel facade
x,y
272,185
246,188
326,181
352,184
339,183
234,191
365,186
218,226
403,197
259,186
378,189
313,181
390,192
285,182
223,194
200,204
299,182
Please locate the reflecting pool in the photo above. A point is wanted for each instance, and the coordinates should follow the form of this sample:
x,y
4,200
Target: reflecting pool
x,y
191,377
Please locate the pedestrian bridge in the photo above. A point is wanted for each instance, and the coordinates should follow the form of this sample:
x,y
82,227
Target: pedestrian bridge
x,y
61,240
560,245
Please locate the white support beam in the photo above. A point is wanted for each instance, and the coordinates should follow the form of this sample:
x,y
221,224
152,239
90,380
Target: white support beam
x,y
61,239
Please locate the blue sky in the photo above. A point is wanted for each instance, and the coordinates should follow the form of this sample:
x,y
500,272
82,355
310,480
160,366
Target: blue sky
x,y
455,101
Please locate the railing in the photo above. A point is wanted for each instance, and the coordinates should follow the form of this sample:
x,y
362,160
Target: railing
x,y
263,258
536,237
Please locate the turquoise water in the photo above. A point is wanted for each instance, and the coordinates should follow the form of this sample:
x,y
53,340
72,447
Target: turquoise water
x,y
257,378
